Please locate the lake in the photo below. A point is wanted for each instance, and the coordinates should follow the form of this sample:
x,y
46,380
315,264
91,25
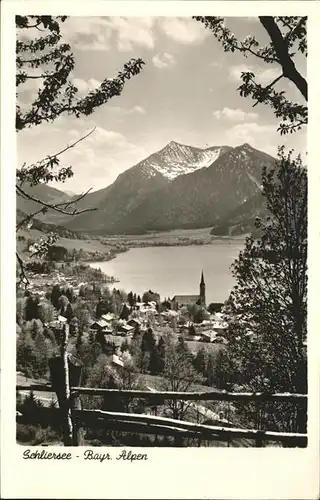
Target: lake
x,y
176,270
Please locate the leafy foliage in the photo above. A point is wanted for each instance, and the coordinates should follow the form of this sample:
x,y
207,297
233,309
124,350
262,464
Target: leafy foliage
x,y
288,35
55,61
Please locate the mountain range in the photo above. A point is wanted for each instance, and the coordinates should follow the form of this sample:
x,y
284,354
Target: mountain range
x,y
179,186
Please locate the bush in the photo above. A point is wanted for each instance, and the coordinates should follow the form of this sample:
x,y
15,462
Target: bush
x,y
35,434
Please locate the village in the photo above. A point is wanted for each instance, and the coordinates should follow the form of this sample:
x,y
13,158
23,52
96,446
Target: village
x,y
115,322
177,316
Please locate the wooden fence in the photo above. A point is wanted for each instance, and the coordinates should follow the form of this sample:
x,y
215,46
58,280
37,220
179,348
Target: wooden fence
x,y
73,418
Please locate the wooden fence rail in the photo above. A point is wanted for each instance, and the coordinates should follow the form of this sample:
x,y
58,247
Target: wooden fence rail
x,y
149,424
182,396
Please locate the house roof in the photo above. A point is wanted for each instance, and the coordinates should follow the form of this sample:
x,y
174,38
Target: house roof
x,y
116,360
186,299
101,322
62,319
219,325
133,320
107,317
207,334
127,328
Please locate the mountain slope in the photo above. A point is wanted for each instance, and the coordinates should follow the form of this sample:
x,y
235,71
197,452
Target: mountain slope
x,y
116,202
205,197
46,227
241,220
44,193
179,186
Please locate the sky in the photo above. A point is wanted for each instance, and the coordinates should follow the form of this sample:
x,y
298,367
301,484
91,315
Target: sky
x,y
186,92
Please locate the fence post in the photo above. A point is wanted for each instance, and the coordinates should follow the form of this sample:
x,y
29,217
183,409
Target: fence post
x,y
156,440
77,430
259,440
59,369
302,412
66,409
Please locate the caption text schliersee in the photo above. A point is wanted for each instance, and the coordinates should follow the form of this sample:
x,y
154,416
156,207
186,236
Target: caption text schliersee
x,y
88,454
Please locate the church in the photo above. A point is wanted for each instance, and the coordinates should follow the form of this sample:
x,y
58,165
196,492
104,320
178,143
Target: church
x,y
186,300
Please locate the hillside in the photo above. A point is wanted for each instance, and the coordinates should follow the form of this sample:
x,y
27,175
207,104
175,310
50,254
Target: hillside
x,y
142,199
205,197
45,227
241,219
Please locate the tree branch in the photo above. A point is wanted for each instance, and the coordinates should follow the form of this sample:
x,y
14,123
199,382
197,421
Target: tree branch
x,y
55,207
23,277
244,49
48,159
269,87
28,218
281,48
73,144
34,77
65,205
33,25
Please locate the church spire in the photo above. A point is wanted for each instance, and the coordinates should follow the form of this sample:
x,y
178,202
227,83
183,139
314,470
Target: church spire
x,y
202,291
202,279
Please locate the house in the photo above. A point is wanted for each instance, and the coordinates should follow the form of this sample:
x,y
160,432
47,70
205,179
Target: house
x,y
58,323
116,360
209,336
100,325
108,317
134,323
216,307
149,307
186,300
206,336
125,329
219,327
62,319
220,340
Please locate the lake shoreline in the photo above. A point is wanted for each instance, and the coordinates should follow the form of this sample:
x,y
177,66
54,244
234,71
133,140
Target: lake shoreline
x,y
115,253
175,269
118,244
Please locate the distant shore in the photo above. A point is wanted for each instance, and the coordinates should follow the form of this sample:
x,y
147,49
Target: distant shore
x,y
124,243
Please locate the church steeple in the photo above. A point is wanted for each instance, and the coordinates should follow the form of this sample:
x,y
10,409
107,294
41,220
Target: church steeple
x,y
202,279
202,291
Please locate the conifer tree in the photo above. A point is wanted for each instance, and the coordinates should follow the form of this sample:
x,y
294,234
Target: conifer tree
x,y
267,310
200,361
157,359
131,299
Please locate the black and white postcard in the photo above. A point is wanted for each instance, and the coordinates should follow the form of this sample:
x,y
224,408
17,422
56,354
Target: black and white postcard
x,y
159,250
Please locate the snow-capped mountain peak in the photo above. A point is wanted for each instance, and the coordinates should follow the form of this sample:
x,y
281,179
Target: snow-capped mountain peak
x,y
178,159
